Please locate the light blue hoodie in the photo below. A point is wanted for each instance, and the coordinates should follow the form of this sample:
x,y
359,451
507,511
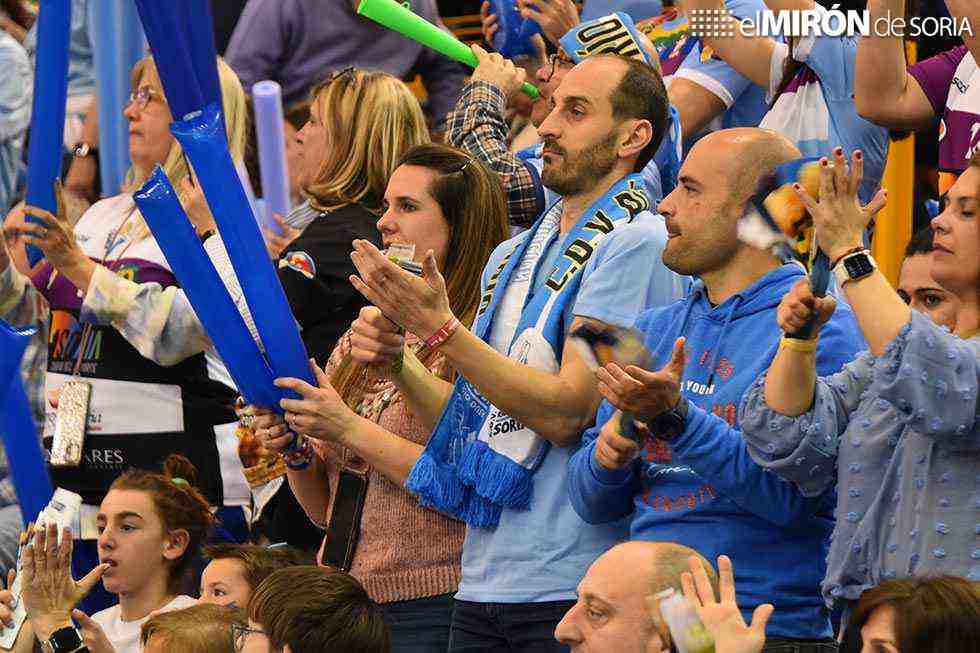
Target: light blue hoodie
x,y
704,490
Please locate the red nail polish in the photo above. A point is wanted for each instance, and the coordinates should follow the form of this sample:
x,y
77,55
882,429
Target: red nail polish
x,y
858,155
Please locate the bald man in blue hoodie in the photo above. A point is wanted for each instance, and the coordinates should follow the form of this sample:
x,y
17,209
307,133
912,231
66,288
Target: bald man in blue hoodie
x,y
692,480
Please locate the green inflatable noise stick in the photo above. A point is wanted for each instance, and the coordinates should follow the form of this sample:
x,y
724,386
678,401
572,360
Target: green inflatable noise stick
x,y
410,25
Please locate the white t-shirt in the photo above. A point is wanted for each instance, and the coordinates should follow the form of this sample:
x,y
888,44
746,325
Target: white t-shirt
x,y
125,635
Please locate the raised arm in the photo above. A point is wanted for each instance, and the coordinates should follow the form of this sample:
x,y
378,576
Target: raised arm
x,y
697,105
884,92
749,55
970,12
840,222
478,125
792,376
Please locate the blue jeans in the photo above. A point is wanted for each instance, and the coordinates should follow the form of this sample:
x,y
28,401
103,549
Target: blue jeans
x,y
419,626
514,627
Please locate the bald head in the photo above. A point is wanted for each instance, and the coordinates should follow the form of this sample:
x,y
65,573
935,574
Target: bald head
x,y
615,610
750,154
658,565
717,178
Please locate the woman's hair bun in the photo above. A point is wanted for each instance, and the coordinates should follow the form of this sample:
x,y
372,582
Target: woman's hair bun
x,y
179,467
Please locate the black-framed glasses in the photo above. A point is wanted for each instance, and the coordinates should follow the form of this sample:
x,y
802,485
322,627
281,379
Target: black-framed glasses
x,y
239,633
142,97
556,58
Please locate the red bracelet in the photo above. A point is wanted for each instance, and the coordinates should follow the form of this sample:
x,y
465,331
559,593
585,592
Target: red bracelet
x,y
444,333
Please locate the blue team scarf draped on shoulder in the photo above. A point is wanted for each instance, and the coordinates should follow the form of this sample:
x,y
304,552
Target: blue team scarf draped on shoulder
x,y
479,460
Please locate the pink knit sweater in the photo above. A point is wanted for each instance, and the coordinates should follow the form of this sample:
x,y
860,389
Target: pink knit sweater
x,y
404,551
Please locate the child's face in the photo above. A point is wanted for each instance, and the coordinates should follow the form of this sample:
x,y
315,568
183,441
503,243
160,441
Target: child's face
x,y
223,583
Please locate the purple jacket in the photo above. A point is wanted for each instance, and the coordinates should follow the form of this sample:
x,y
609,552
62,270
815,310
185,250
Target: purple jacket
x,y
298,43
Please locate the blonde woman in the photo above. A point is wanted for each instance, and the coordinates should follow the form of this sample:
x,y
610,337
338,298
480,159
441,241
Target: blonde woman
x,y
108,307
361,123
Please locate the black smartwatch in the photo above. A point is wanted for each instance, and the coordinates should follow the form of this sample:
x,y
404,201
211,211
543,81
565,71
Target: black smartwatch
x,y
669,425
63,640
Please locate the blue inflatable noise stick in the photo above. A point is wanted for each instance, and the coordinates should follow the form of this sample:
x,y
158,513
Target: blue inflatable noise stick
x,y
24,453
48,112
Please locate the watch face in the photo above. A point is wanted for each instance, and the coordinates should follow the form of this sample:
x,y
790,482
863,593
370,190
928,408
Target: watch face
x,y
66,639
667,426
858,266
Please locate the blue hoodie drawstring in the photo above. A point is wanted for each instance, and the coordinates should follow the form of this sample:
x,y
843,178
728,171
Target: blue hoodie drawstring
x,y
685,316
721,338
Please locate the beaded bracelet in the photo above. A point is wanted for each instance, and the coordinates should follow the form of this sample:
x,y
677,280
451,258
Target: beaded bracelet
x,y
300,457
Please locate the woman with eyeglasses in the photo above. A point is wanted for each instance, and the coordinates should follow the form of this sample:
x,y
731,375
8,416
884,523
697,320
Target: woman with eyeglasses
x,y
118,328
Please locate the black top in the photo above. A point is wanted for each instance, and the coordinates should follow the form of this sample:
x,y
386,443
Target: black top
x,y
315,269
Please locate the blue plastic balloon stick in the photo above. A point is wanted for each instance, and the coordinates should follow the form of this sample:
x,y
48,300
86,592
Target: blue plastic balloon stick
x,y
48,114
204,142
25,456
206,291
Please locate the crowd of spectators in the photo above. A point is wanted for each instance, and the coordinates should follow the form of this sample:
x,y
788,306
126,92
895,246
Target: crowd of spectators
x,y
584,412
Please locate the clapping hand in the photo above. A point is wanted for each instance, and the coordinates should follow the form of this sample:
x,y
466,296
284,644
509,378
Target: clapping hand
x,y
839,219
644,394
420,306
49,591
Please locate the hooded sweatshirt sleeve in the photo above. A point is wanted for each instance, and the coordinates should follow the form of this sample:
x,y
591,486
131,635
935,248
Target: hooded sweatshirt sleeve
x,y
718,452
597,494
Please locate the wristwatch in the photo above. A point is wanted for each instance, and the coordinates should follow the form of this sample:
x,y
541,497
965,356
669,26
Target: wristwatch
x,y
83,150
854,266
63,640
669,425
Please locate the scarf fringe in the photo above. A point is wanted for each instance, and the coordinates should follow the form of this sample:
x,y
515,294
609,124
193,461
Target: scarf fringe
x,y
436,484
496,478
479,512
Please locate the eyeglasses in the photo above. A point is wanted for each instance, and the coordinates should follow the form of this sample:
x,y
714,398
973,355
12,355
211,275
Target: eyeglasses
x,y
240,633
142,97
554,59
